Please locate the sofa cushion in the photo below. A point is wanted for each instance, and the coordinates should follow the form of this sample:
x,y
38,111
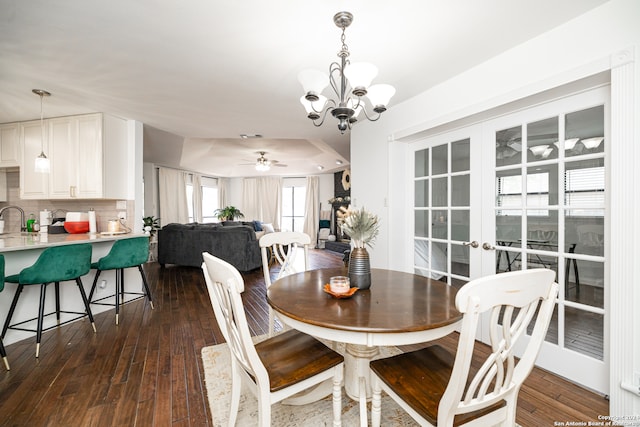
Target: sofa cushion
x,y
176,226
257,225
183,244
268,228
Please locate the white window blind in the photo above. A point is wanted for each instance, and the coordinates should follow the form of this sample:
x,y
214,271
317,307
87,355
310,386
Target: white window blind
x,y
584,189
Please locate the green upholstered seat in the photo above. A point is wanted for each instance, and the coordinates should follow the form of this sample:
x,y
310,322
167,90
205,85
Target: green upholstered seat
x,y
125,253
3,353
54,265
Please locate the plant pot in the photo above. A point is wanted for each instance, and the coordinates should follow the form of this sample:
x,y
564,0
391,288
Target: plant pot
x,y
360,268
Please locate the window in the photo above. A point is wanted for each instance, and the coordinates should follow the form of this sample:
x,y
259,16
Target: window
x,y
584,189
209,198
510,193
293,204
190,197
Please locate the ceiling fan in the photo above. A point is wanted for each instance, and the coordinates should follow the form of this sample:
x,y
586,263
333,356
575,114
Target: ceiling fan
x,y
263,164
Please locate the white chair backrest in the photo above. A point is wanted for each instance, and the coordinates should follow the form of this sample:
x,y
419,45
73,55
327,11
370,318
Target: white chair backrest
x,y
284,248
225,285
512,301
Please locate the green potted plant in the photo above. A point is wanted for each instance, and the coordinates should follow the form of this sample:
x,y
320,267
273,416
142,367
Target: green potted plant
x,y
151,224
228,213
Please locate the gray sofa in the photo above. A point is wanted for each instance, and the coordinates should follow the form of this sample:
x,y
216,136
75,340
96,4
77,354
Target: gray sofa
x,y
183,244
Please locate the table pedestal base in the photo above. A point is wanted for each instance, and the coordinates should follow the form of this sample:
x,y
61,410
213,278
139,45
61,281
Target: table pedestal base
x,y
356,366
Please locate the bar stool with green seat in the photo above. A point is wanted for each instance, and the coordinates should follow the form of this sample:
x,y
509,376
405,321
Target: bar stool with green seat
x,y
54,265
124,253
3,353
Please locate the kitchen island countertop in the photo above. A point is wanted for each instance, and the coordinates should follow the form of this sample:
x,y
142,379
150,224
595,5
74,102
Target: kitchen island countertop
x,y
10,242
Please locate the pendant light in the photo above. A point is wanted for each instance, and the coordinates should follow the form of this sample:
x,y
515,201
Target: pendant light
x,y
42,162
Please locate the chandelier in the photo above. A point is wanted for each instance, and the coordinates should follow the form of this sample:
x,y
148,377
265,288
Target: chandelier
x,y
350,82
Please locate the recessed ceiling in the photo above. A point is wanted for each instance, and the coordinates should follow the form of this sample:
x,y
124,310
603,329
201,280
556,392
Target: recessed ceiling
x,y
200,73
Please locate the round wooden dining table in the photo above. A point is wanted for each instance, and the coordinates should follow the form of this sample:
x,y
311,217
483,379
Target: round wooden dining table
x,y
399,309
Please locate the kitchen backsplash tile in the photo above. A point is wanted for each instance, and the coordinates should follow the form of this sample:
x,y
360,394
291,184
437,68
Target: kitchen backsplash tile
x,y
105,209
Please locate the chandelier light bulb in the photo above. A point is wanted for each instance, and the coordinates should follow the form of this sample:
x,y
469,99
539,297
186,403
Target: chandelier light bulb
x,y
360,76
313,82
380,95
313,108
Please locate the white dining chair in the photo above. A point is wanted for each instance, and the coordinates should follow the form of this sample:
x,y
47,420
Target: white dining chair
x,y
438,388
276,368
283,249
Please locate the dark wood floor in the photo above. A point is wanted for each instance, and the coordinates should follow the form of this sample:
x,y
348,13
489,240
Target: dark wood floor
x,y
148,371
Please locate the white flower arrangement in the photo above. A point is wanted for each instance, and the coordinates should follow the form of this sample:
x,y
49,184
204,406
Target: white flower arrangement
x,y
362,226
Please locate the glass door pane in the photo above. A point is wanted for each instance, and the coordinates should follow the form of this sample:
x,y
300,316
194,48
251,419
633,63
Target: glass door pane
x,y
549,208
442,210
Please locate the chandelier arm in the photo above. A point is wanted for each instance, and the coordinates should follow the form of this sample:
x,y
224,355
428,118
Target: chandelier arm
x,y
364,110
324,115
326,108
335,68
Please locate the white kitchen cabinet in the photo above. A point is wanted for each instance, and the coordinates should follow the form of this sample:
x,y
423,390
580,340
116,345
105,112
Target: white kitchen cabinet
x,y
83,151
9,145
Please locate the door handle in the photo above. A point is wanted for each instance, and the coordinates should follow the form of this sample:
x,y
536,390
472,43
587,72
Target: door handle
x,y
473,244
488,246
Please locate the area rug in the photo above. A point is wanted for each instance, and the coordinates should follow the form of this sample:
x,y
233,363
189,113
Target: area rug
x,y
216,361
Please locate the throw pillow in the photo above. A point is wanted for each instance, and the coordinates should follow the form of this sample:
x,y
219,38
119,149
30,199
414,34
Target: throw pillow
x,y
257,225
268,228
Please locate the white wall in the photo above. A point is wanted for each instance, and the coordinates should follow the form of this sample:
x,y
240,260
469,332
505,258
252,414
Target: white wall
x,y
582,47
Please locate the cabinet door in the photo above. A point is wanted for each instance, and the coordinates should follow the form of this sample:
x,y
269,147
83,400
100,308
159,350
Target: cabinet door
x,y
9,145
89,159
33,185
62,153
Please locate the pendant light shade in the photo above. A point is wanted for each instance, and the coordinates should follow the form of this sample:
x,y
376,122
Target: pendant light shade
x,y
42,164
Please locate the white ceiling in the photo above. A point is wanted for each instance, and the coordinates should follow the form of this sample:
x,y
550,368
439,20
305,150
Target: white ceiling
x,y
198,73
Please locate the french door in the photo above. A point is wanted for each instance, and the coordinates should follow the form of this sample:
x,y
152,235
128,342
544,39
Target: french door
x,y
525,190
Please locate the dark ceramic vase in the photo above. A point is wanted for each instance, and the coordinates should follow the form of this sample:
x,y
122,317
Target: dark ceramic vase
x,y
359,268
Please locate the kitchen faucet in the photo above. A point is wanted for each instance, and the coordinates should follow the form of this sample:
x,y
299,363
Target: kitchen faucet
x,y
23,224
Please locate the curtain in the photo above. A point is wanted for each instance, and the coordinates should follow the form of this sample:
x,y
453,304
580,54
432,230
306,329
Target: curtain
x,y
197,198
250,201
223,187
270,189
262,199
311,210
172,188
